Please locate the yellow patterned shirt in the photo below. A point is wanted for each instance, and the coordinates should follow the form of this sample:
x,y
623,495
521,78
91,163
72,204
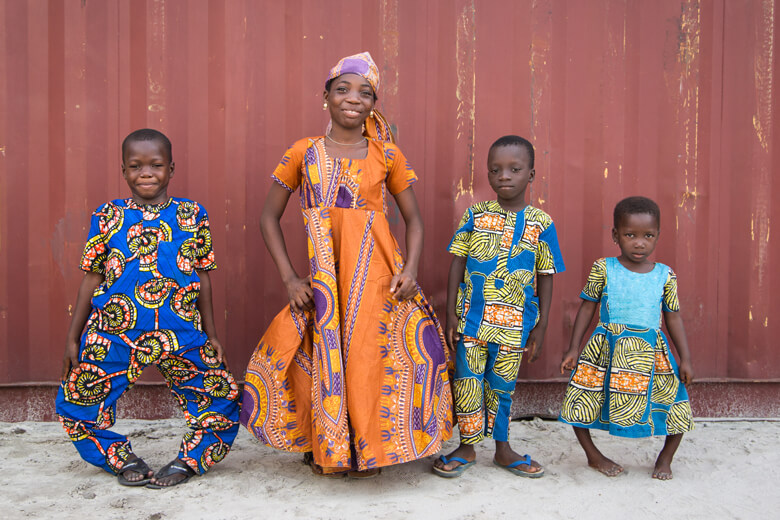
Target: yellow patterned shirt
x,y
504,252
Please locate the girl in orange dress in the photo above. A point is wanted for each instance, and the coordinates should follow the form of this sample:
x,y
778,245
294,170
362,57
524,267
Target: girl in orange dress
x,y
354,369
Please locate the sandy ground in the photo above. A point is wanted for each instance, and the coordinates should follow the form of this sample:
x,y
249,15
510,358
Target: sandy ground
x,y
722,470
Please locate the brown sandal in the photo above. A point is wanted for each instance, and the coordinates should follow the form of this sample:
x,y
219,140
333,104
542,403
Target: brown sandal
x,y
308,459
365,473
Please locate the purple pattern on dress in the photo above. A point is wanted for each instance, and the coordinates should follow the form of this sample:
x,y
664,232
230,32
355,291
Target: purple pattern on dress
x,y
344,198
432,343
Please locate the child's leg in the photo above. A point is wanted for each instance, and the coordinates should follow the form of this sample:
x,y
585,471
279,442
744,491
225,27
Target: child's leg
x,y
596,459
86,404
208,396
470,360
663,464
500,379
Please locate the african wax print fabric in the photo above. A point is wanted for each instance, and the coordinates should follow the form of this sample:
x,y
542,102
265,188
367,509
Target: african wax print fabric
x,y
485,377
361,64
626,380
145,313
505,250
362,380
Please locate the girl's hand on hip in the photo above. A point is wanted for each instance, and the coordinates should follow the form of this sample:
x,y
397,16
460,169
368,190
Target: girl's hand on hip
x,y
403,286
300,294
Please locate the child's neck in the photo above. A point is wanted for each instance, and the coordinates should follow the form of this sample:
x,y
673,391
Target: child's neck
x,y
644,267
515,206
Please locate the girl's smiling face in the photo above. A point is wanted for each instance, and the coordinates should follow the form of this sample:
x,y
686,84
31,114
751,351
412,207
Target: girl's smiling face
x,y
147,168
350,99
637,236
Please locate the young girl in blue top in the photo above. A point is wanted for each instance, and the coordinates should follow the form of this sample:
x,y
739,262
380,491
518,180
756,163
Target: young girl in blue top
x,y
626,380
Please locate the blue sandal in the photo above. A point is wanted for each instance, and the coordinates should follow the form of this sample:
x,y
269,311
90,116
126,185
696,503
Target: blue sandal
x,y
513,467
456,471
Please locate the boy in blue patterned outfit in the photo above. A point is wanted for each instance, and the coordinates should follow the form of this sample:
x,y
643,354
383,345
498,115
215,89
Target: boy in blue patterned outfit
x,y
498,299
146,300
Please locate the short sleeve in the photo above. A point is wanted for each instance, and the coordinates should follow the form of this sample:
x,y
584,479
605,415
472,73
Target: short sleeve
x,y
400,174
670,301
204,255
93,257
548,256
461,240
288,171
597,279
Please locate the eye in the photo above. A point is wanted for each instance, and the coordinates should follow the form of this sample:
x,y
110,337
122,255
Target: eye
x,y
515,170
366,94
341,90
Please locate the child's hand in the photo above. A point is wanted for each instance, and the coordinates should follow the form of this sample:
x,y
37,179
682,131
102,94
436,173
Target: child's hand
x,y
71,358
219,349
536,341
686,372
300,294
569,360
403,286
451,334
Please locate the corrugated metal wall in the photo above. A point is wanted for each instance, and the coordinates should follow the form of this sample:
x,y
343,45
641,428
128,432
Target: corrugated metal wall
x,y
670,99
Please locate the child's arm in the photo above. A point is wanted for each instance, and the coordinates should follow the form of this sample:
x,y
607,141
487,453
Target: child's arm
x,y
581,322
457,272
404,285
298,289
674,325
544,288
80,314
206,310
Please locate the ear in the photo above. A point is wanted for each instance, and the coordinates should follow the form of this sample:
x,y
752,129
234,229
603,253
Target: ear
x,y
325,96
531,175
614,235
173,166
124,172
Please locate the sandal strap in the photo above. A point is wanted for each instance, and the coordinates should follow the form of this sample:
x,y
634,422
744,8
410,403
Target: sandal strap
x,y
525,460
174,467
138,465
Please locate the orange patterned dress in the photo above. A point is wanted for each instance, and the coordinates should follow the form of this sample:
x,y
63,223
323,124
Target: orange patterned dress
x,y
362,380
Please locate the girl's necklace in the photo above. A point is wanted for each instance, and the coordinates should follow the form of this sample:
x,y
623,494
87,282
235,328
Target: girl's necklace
x,y
345,144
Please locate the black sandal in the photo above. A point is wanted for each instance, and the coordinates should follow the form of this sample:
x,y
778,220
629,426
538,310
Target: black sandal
x,y
175,467
137,465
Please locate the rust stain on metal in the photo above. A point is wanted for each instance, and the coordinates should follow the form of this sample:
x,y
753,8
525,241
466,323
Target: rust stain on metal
x,y
388,10
688,59
466,90
764,77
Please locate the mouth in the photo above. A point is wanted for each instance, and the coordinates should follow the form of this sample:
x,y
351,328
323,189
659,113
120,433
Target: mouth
x,y
351,113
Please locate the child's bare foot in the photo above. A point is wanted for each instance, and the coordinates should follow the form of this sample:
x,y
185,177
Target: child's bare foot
x,y
662,470
605,466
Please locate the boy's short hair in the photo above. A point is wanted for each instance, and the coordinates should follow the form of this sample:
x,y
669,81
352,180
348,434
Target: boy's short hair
x,y
636,206
515,140
148,134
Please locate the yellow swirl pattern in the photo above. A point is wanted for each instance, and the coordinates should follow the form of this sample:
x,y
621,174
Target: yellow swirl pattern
x,y
469,395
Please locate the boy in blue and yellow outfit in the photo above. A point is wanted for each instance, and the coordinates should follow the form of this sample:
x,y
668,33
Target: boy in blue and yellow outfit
x,y
146,300
504,249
